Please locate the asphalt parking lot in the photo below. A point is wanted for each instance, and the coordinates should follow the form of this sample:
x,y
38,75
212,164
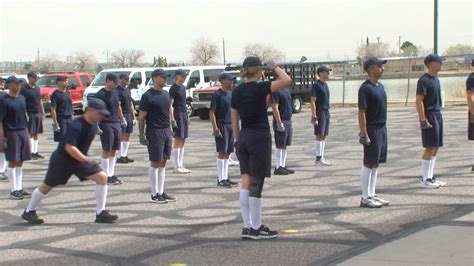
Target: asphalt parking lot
x,y
315,210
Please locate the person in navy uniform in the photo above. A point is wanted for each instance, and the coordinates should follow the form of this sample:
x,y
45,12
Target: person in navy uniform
x,y
221,122
428,106
70,158
129,114
320,113
14,137
470,105
180,121
373,132
61,108
111,127
282,109
253,143
35,110
155,116
3,161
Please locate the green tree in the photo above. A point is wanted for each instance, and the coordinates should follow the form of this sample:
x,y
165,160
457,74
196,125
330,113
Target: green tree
x,y
409,49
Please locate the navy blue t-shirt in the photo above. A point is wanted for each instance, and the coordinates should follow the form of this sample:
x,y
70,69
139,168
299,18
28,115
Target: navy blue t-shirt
x,y
80,134
13,112
33,98
178,93
470,82
430,87
125,99
284,101
157,105
111,99
250,100
62,102
373,99
220,103
320,90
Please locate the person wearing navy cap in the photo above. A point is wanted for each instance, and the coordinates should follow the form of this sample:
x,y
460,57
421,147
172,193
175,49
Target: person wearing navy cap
x,y
320,113
35,110
372,105
70,158
470,105
254,142
14,137
155,132
221,122
128,110
3,161
180,121
61,108
111,127
428,106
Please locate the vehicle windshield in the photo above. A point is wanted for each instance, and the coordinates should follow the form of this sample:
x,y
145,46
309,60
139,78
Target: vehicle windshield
x,y
100,78
47,81
170,80
235,74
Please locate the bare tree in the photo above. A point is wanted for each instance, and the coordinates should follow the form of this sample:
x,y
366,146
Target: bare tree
x,y
264,52
373,49
47,62
459,49
128,58
83,60
204,52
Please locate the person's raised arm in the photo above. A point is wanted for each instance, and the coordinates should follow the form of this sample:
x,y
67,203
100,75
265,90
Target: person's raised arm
x,y
282,81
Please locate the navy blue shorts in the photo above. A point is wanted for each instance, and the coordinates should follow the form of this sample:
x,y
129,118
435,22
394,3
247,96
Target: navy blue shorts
x,y
254,151
129,128
433,137
35,123
182,120
226,143
376,152
18,146
111,136
283,138
63,122
470,128
322,129
61,168
160,140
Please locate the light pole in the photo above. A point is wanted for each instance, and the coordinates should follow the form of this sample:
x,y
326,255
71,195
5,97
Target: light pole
x,y
223,49
435,35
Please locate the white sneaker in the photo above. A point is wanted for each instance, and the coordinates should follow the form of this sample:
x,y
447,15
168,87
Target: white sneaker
x,y
441,183
429,183
233,163
381,201
323,162
183,170
370,203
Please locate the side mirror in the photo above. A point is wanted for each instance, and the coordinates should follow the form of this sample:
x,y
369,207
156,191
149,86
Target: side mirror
x,y
73,86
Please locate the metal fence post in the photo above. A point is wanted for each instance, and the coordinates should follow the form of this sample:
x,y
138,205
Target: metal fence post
x,y
408,85
343,83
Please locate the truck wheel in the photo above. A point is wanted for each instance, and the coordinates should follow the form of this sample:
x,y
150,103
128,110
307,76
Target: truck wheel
x,y
297,104
203,114
189,109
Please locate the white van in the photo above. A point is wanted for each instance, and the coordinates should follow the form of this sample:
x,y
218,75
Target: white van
x,y
198,77
138,77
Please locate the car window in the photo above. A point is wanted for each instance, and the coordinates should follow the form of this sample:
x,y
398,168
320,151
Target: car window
x,y
99,80
148,76
47,81
85,80
194,79
72,80
212,75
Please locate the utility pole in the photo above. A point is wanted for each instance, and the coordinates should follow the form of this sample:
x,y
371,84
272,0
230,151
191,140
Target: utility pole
x,y
435,35
378,46
223,49
38,58
399,45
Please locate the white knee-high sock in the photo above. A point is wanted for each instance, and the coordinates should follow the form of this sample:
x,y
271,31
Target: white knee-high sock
x,y
323,147
472,157
425,169
181,157
175,158
277,158
161,180
153,178
19,178
245,208
120,153
100,197
220,166
317,148
35,144
255,212
12,178
364,181
105,165
32,145
226,169
36,198
3,163
112,162
432,166
373,182
283,158
125,146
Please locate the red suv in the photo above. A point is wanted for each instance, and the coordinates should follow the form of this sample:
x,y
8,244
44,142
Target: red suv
x,y
77,83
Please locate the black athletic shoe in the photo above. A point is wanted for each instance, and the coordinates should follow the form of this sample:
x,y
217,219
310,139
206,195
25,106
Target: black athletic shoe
x,y
39,156
114,180
232,183
224,183
31,217
122,160
281,171
16,195
105,217
129,160
158,199
33,156
289,170
245,233
262,233
168,197
25,193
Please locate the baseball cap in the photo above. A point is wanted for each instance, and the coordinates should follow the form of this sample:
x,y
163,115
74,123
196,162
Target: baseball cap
x,y
12,79
159,72
323,69
111,76
252,61
123,76
373,61
226,76
181,72
32,74
99,105
433,58
61,78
